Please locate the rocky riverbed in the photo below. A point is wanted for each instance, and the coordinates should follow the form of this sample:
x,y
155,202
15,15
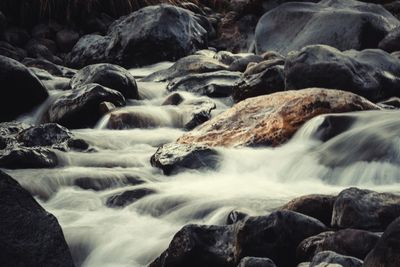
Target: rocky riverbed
x,y
252,134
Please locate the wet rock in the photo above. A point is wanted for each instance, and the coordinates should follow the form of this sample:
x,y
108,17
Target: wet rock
x,y
49,44
80,108
30,235
196,112
391,42
128,197
187,65
271,120
106,107
21,91
214,84
162,33
44,135
172,158
199,246
108,75
256,262
16,36
241,64
90,49
28,158
275,236
316,206
37,50
97,23
264,65
332,259
292,26
365,209
66,39
391,103
269,81
373,74
10,51
348,242
387,251
236,216
173,99
100,184
53,69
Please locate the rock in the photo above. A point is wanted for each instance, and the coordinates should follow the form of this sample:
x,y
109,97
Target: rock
x,y
16,36
196,112
199,246
173,99
317,206
213,84
241,64
97,23
348,242
10,51
373,74
263,65
386,252
391,103
80,108
172,158
100,184
332,259
53,69
271,120
275,236
43,31
391,42
30,235
28,158
90,49
292,26
269,81
188,65
365,209
20,90
256,262
66,40
49,44
37,50
162,33
236,216
44,135
128,197
106,107
107,75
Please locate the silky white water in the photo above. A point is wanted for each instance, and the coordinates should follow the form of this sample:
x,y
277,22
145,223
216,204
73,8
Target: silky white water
x,y
253,180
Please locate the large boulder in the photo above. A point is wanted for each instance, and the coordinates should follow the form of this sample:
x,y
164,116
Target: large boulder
x,y
21,90
30,236
275,236
365,209
387,251
108,75
162,32
80,108
373,74
292,26
332,259
272,119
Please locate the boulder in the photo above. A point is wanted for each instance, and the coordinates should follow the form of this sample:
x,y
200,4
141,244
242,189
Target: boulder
x,y
162,33
172,158
107,75
21,90
28,158
386,252
256,262
348,242
199,246
292,26
30,235
332,259
40,51
317,206
10,51
241,64
50,67
213,84
391,42
373,74
80,108
128,197
275,236
16,36
365,209
66,40
271,120
104,183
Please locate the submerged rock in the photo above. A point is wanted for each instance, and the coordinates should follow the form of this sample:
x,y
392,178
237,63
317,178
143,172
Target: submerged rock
x,y
30,236
172,158
292,26
21,90
128,197
373,74
271,120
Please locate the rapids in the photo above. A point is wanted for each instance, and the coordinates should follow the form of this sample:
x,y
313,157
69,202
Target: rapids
x,y
254,180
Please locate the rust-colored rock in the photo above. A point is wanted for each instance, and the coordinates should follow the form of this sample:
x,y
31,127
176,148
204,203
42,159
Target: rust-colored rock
x,y
271,120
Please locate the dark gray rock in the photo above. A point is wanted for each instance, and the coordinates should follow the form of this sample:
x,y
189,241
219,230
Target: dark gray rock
x,y
28,158
128,197
50,67
16,36
292,26
256,262
391,43
100,184
38,50
241,64
326,258
373,74
13,52
66,40
21,90
30,236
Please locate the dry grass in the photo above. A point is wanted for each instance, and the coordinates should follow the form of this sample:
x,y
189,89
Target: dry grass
x,y
31,11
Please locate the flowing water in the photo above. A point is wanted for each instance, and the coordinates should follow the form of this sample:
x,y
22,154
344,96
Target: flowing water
x,y
253,180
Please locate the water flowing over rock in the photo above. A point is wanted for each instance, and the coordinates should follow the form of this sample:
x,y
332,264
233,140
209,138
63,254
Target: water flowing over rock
x,y
365,209
292,26
271,120
80,108
107,75
29,235
373,74
256,262
128,197
328,258
387,251
21,91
